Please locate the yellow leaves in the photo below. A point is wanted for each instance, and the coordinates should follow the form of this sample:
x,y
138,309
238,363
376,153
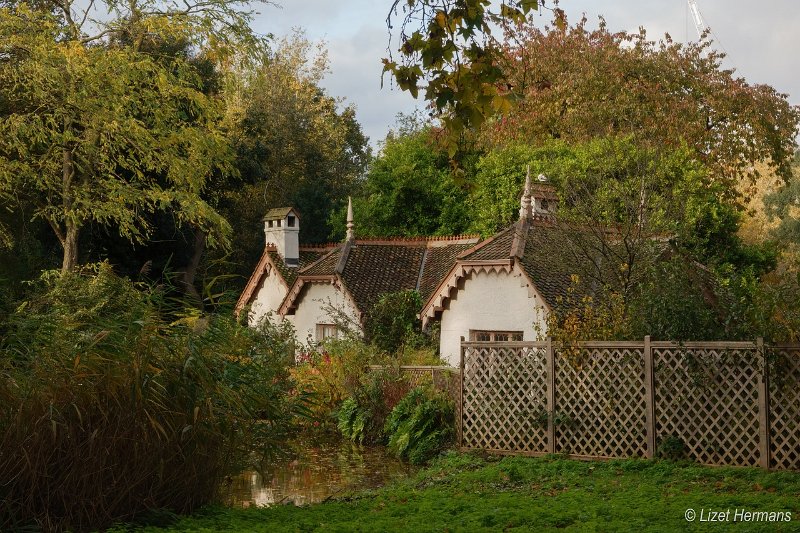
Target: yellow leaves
x,y
441,19
501,104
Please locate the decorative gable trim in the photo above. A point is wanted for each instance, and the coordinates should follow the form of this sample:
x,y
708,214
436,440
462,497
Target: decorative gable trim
x,y
263,269
460,270
292,299
289,301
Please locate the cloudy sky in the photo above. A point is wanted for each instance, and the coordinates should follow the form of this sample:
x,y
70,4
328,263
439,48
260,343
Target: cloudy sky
x,y
761,38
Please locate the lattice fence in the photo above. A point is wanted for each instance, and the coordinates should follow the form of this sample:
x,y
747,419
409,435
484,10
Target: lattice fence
x,y
784,386
504,406
708,398
600,393
624,399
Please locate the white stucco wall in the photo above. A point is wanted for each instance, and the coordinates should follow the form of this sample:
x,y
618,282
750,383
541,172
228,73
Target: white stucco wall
x,y
490,301
267,298
312,309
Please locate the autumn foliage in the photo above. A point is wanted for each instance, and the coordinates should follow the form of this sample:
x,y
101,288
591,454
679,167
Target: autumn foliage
x,y
578,84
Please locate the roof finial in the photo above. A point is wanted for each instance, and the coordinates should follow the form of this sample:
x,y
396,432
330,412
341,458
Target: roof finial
x,y
350,233
525,201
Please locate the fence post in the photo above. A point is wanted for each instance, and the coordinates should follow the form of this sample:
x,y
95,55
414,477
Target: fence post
x,y
763,407
649,398
551,396
460,422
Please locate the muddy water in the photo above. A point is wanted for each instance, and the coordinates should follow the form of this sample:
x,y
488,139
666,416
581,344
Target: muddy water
x,y
316,472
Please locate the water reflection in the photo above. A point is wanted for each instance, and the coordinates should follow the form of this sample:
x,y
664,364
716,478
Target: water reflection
x,y
315,472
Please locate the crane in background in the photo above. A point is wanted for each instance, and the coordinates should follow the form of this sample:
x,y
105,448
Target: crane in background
x,y
699,23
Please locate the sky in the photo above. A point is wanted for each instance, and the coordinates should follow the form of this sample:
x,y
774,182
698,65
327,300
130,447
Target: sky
x,y
761,39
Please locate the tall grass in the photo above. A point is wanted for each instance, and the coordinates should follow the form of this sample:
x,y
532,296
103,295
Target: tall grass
x,y
109,409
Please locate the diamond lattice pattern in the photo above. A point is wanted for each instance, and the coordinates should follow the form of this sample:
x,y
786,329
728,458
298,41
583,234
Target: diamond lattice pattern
x,y
785,408
709,399
600,399
504,399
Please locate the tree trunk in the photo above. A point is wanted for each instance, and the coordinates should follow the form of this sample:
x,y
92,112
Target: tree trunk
x,y
70,238
188,276
70,245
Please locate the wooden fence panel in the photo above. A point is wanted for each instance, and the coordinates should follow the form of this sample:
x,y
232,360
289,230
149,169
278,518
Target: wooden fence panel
x,y
600,407
621,399
784,365
708,398
504,406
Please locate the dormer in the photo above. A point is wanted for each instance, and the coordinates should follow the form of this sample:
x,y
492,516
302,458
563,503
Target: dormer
x,y
282,230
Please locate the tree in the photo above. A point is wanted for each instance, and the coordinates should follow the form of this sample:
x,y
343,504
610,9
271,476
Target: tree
x,y
619,203
295,145
574,84
96,130
782,205
450,43
409,189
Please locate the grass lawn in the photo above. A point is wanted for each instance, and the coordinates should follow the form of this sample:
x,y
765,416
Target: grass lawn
x,y
465,492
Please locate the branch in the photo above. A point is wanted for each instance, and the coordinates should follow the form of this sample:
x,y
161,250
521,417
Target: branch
x,y
57,230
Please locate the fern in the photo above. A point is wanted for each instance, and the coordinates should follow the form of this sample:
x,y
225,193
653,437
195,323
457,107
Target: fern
x,y
420,426
353,420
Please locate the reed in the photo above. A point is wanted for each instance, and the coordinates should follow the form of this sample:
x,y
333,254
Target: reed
x,y
113,403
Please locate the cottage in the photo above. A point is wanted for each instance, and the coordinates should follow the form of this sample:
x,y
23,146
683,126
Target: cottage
x,y
499,289
316,287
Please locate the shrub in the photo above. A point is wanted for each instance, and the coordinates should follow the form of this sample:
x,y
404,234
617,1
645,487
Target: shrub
x,y
420,426
672,448
107,410
353,420
331,374
362,416
393,322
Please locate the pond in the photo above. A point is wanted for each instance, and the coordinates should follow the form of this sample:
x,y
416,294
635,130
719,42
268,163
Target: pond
x,y
314,472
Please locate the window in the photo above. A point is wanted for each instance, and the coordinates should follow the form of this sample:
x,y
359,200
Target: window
x,y
495,336
290,221
269,223
326,331
545,205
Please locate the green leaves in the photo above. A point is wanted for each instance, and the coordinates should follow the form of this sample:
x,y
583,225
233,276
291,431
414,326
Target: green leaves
x,y
452,48
420,426
106,133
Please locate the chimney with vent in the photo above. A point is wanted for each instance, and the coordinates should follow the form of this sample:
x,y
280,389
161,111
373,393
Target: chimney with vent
x,y
544,199
282,230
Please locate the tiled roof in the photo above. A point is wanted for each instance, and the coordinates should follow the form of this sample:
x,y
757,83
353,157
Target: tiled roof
x,y
374,270
549,262
279,213
374,267
438,262
307,257
494,248
325,265
547,259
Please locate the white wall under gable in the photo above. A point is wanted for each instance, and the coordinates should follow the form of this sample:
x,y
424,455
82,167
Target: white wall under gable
x,y
268,297
490,301
312,309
